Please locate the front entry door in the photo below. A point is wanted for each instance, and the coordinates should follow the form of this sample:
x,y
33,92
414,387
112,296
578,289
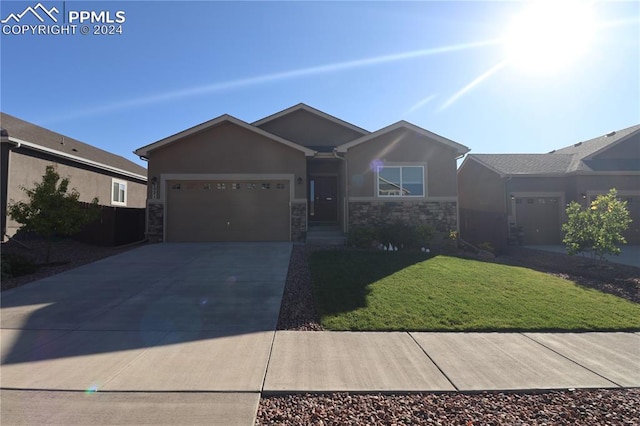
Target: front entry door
x,y
323,199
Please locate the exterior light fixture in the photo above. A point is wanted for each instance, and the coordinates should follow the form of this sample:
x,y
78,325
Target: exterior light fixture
x,y
584,196
299,180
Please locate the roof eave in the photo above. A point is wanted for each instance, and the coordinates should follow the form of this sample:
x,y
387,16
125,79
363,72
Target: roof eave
x,y
460,149
145,150
35,147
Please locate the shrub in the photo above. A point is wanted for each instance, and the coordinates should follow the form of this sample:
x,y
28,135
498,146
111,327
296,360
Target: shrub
x,y
596,229
52,208
14,265
402,234
487,246
398,233
362,237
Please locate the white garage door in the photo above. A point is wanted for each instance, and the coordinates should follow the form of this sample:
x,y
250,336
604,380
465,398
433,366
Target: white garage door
x,y
228,210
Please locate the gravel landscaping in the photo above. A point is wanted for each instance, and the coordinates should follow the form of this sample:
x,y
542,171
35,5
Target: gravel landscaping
x,y
579,407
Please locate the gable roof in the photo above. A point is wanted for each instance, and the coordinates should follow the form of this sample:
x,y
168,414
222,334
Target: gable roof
x,y
570,159
459,148
584,151
307,108
225,118
38,138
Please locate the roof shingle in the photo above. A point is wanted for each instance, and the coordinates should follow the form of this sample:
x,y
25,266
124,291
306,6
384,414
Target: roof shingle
x,y
34,134
565,160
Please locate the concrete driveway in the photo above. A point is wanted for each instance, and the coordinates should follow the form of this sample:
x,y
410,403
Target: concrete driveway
x,y
630,254
164,317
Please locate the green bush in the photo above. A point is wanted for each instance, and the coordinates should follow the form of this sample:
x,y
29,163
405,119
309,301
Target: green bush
x,y
597,229
14,265
362,237
399,234
487,246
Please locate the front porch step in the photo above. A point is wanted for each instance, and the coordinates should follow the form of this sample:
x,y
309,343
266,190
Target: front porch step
x,y
325,235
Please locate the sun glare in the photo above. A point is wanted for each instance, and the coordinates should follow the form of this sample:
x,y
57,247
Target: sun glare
x,y
550,34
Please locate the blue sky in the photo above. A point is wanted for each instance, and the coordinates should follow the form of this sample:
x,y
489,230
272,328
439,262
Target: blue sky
x,y
177,64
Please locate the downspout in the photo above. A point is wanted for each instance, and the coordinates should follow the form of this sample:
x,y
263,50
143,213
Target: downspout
x,y
345,209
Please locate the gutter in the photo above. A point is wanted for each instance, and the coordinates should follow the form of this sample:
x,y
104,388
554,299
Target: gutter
x,y
20,143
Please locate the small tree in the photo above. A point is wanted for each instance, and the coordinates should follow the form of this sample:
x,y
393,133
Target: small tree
x,y
52,209
596,229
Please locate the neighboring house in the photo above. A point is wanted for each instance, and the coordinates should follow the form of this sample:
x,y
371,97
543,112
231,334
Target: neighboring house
x,y
28,149
522,198
228,180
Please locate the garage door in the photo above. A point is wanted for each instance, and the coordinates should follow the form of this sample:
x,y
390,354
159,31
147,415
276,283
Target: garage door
x,y
228,210
540,219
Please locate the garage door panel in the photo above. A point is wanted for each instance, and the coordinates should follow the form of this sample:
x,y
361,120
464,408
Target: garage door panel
x,y
632,234
228,211
540,219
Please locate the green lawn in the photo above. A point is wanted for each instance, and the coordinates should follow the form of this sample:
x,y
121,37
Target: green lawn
x,y
359,290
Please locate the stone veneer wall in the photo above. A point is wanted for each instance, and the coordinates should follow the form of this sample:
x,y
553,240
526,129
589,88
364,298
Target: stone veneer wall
x,y
155,224
298,221
440,215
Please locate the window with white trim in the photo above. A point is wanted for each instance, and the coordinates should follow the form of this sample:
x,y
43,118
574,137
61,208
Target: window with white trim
x,y
118,192
400,181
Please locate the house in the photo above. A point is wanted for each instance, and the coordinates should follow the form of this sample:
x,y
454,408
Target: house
x,y
27,149
272,180
521,198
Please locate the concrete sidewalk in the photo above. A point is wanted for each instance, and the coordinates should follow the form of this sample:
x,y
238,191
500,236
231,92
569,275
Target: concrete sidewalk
x,y
204,381
402,362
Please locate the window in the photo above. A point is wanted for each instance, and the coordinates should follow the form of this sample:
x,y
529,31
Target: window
x,y
401,181
118,192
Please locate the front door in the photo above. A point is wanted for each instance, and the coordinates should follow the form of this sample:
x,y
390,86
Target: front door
x,y
323,199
